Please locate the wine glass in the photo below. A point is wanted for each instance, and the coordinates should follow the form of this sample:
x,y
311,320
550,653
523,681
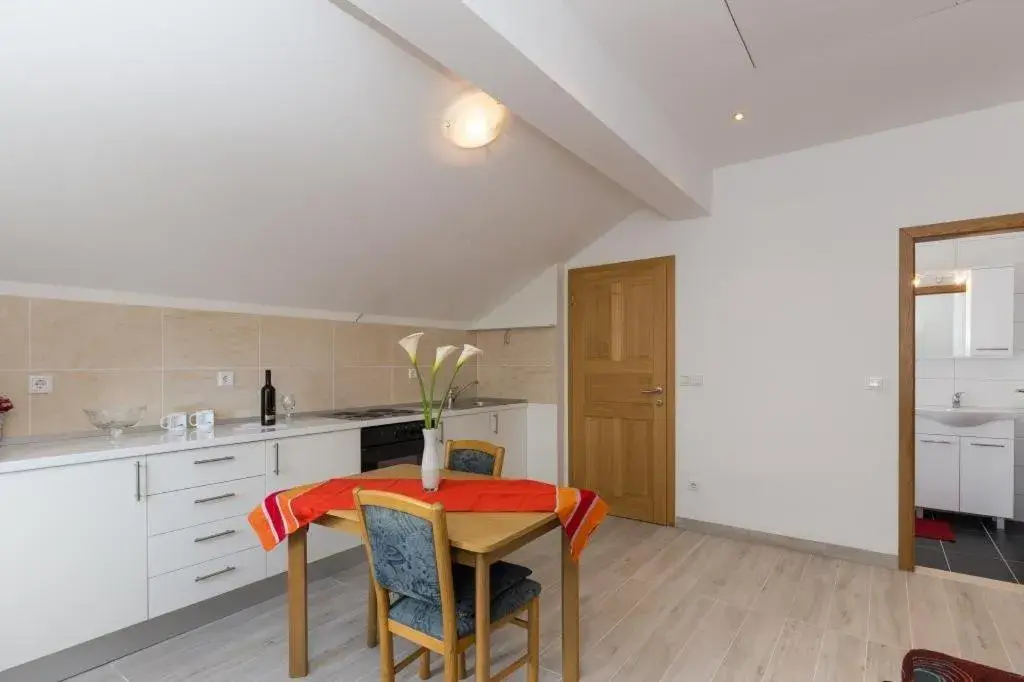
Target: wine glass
x,y
288,403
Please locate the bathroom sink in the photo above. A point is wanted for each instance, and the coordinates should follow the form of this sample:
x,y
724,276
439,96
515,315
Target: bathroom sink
x,y
963,416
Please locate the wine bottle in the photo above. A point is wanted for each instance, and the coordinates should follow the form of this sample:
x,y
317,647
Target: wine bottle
x,y
268,403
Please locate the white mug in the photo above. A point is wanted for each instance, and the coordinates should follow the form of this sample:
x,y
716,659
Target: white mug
x,y
175,421
203,420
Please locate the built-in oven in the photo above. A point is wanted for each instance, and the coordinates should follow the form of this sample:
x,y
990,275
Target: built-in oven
x,y
391,444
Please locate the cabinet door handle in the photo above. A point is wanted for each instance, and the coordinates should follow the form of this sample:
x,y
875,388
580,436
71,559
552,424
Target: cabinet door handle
x,y
222,534
992,348
942,442
495,415
215,498
214,459
138,481
988,445
226,569
277,459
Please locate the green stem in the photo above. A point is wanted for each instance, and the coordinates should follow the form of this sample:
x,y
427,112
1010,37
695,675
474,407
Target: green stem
x,y
423,397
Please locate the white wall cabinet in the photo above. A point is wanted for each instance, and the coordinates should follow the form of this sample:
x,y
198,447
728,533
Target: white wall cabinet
x,y
990,312
75,568
501,427
311,459
937,483
986,476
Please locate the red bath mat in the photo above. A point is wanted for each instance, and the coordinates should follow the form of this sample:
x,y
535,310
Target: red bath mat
x,y
934,529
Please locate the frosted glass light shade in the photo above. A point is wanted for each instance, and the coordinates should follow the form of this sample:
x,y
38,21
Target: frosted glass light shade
x,y
474,120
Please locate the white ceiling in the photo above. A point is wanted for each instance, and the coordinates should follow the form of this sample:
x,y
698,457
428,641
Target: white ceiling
x,y
277,152
826,69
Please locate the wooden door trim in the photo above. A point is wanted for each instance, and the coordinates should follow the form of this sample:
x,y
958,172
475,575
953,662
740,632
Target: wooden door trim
x,y
941,289
908,238
670,380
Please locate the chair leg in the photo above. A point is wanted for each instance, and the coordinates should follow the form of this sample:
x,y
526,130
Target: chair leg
x,y
462,666
533,641
387,657
425,665
451,667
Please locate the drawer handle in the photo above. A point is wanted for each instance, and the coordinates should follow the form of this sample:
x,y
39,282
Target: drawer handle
x,y
214,459
215,498
992,348
988,445
222,534
942,442
227,569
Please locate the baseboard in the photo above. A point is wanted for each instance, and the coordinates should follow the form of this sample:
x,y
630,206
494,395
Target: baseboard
x,y
860,556
103,650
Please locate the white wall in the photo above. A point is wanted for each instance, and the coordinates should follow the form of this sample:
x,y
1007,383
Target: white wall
x,y
534,305
786,302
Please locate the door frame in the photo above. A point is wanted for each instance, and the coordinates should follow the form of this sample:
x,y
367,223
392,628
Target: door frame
x,y
909,237
669,518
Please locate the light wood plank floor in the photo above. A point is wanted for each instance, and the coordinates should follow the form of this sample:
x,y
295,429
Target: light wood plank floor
x,y
657,604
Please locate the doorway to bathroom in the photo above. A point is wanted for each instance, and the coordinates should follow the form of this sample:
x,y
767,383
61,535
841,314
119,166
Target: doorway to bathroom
x,y
961,389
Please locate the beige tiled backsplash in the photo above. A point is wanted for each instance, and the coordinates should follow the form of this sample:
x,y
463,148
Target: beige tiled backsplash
x,y
102,354
519,364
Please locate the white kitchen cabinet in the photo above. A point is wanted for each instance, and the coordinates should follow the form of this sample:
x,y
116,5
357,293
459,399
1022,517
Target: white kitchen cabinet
x,y
937,481
74,564
310,459
501,427
990,312
986,476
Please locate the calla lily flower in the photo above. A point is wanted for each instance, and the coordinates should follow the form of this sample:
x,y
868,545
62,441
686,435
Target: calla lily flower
x,y
410,344
468,351
442,353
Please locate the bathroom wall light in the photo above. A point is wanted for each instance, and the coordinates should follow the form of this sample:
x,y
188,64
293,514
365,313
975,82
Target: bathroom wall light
x,y
959,277
916,281
474,120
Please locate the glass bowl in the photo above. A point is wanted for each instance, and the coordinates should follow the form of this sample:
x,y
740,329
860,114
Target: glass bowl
x,y
114,420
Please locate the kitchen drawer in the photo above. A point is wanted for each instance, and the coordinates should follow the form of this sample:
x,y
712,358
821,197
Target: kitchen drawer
x,y
187,508
178,589
205,542
180,470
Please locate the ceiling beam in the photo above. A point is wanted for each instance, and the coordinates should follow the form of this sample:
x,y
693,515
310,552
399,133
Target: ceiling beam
x,y
537,58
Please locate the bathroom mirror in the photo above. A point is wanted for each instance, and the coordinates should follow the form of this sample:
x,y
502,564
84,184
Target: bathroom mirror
x,y
941,326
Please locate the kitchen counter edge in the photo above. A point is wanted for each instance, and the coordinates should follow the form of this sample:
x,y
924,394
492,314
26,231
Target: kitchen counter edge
x,y
46,454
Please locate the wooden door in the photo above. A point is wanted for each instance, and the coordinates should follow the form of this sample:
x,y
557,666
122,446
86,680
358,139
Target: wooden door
x,y
621,422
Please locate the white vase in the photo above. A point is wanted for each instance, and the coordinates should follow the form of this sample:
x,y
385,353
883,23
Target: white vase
x,y
430,467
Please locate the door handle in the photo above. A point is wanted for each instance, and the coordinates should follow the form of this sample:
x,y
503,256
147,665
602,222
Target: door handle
x,y
657,390
222,534
987,445
213,460
992,348
138,481
226,569
495,415
277,459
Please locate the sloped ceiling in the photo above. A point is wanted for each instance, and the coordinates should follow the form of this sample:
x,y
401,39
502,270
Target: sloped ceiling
x,y
275,152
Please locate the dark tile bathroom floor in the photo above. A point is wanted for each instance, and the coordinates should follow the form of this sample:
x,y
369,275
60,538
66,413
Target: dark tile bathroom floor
x,y
980,548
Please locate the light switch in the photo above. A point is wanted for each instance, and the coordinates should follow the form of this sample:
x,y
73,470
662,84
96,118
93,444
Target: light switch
x,y
874,384
691,380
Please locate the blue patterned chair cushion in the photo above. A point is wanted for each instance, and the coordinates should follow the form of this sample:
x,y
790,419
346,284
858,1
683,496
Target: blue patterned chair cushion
x,y
472,461
426,617
404,561
503,576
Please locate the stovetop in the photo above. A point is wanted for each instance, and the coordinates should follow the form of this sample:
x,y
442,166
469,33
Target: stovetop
x,y
373,413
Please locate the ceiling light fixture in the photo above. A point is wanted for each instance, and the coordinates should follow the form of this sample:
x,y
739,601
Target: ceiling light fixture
x,y
474,120
738,116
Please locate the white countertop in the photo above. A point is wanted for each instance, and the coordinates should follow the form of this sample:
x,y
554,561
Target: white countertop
x,y
38,455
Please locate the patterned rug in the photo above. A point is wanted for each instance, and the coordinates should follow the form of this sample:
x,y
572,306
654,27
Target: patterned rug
x,y
921,665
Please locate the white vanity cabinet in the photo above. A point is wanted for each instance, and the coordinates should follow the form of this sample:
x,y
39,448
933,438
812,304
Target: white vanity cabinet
x,y
310,459
990,312
965,469
986,476
501,427
74,564
937,483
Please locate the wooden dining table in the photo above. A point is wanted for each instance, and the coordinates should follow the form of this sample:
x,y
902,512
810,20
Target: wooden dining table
x,y
478,539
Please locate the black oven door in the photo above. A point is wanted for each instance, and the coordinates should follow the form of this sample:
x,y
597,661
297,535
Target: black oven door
x,y
381,456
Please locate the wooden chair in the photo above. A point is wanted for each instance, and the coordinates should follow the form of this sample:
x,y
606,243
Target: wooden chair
x,y
474,456
409,554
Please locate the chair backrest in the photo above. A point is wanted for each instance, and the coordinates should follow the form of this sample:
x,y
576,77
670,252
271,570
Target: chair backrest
x,y
474,456
408,549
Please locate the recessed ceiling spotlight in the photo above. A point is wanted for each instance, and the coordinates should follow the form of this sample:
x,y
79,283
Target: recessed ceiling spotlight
x,y
738,116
